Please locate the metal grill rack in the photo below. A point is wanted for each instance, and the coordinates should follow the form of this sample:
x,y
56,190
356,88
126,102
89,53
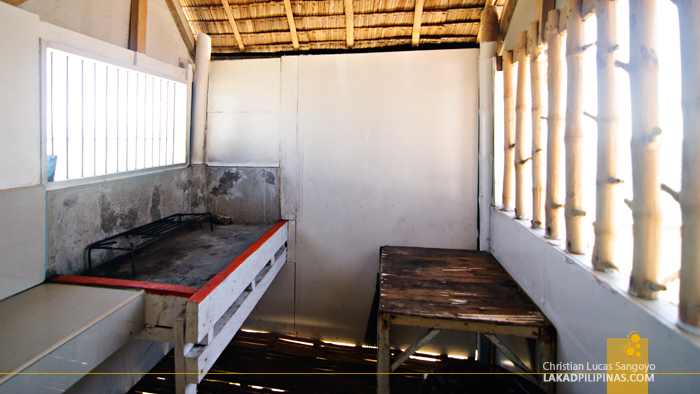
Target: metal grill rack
x,y
142,236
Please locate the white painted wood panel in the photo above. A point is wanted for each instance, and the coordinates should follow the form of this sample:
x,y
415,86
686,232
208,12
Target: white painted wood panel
x,y
202,316
387,156
20,150
242,139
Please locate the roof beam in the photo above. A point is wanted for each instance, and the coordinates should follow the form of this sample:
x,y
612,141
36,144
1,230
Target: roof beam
x,y
232,21
349,23
137,25
182,25
13,2
292,26
417,20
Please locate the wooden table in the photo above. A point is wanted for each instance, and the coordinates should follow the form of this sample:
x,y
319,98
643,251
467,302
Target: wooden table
x,y
461,290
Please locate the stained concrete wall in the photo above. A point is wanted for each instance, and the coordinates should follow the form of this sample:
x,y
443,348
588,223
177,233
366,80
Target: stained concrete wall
x,y
78,216
247,195
108,21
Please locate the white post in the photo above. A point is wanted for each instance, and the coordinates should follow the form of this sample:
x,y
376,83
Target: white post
x,y
487,53
199,97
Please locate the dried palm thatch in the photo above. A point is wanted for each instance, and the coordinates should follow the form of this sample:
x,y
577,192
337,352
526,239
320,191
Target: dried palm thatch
x,y
263,26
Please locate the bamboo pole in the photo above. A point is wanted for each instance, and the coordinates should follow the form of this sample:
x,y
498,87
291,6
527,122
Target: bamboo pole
x,y
646,208
489,43
573,135
689,198
537,70
509,132
555,128
606,178
522,132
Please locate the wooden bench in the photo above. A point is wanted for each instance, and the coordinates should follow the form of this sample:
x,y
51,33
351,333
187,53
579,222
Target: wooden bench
x,y
461,290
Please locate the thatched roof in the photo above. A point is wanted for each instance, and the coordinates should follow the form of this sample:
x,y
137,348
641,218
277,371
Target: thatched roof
x,y
320,25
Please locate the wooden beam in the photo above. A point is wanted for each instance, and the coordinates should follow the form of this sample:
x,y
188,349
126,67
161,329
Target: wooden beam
x,y
137,28
349,23
292,26
417,20
183,26
504,23
13,2
542,15
232,21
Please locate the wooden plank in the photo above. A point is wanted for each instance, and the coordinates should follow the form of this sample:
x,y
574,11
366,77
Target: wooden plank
x,y
200,359
292,26
504,23
417,20
349,23
161,310
160,334
207,306
234,27
460,325
181,348
138,25
383,353
462,285
150,287
542,15
183,26
510,355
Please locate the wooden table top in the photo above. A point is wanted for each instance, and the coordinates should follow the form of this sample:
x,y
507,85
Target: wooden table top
x,y
453,284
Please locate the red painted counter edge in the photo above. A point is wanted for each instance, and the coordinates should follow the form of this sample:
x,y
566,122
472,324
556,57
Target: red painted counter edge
x,y
150,287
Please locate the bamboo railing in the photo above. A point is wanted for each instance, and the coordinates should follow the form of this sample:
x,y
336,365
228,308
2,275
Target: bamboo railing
x,y
573,135
538,70
643,69
508,198
606,177
522,132
689,197
555,128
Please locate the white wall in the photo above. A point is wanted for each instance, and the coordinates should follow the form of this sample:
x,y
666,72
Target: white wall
x,y
374,149
108,21
387,157
588,307
22,197
243,121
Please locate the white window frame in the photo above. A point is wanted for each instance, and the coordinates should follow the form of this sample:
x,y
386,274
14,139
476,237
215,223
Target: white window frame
x,y
119,57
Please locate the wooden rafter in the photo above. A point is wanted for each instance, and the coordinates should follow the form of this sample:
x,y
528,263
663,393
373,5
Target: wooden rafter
x,y
137,28
504,22
232,21
417,20
292,26
13,2
349,23
182,25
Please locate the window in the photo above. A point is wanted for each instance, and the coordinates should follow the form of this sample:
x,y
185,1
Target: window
x,y
104,119
670,122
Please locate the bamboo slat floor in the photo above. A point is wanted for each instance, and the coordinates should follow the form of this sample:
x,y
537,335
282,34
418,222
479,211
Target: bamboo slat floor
x,y
290,367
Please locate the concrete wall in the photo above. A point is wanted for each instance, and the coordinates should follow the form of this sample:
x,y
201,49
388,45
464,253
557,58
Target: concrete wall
x,y
588,307
247,195
108,21
78,216
22,197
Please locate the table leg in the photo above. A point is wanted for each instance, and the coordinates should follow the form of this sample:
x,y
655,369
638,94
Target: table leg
x,y
181,348
546,352
383,354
